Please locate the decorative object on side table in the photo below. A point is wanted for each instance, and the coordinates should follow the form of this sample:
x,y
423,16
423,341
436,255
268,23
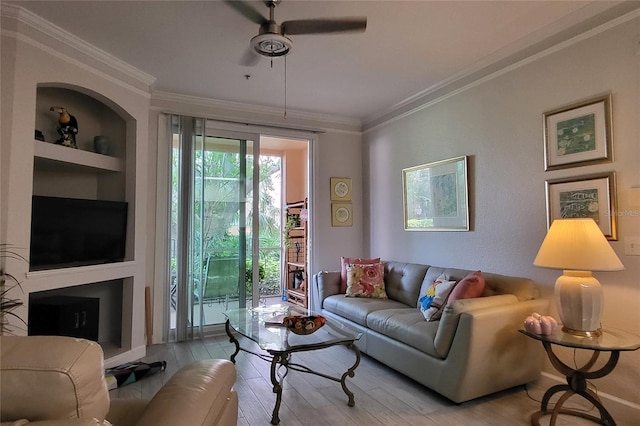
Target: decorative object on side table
x,y
436,196
591,196
102,144
540,324
578,134
68,127
578,247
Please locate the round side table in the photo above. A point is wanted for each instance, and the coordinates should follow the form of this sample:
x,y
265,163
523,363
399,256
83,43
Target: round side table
x,y
610,341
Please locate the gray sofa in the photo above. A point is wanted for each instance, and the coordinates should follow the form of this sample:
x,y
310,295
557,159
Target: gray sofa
x,y
473,350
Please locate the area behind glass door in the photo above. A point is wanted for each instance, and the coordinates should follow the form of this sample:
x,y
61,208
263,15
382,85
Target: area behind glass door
x,y
211,225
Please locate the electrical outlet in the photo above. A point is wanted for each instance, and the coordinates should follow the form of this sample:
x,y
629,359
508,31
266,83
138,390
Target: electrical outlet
x,y
632,246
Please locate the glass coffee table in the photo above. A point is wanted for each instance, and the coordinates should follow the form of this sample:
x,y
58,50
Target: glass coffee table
x,y
280,344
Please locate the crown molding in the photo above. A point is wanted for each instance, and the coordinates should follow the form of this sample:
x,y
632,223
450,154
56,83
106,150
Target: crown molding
x,y
258,114
35,22
508,60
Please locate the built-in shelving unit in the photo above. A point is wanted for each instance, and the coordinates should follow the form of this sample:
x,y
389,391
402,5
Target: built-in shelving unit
x,y
48,69
60,171
296,270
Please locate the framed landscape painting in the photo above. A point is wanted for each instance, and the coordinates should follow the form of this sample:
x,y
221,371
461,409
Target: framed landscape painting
x,y
435,196
578,134
592,196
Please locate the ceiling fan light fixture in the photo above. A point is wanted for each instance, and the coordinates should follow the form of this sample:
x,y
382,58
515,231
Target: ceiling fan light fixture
x,y
271,45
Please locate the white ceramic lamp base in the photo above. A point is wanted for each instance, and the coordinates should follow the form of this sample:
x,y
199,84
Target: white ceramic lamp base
x,y
579,301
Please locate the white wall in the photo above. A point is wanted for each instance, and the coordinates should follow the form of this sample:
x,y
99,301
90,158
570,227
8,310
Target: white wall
x,y
498,124
336,155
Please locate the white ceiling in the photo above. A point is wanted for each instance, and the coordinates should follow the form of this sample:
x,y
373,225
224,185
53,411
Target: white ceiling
x,y
409,48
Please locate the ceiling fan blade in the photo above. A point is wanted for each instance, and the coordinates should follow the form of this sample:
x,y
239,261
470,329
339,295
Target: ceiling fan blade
x,y
246,10
325,25
250,57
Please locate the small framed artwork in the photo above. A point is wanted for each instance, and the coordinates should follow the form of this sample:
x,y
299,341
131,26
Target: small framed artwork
x,y
591,196
578,134
340,189
435,196
341,214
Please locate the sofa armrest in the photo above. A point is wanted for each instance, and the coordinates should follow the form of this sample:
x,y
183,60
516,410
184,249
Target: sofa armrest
x,y
199,394
126,412
489,353
323,285
65,375
451,314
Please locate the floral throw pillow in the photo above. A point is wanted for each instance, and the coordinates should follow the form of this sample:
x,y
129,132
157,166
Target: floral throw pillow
x,y
344,261
366,280
435,299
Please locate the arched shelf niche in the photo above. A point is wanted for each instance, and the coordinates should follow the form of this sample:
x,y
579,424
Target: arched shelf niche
x,y
82,173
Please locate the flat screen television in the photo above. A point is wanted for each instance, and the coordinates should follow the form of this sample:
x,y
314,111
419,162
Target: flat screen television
x,y
68,232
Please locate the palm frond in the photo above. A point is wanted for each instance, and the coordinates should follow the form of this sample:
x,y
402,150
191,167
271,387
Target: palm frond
x,y
9,282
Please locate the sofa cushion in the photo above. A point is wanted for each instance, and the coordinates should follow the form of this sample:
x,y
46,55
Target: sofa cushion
x,y
64,375
403,281
406,325
357,309
344,261
366,281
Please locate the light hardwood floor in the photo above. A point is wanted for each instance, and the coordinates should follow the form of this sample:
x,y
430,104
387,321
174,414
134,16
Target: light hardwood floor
x,y
383,397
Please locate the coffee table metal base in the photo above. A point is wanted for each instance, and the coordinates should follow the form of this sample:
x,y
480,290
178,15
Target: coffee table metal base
x,y
282,360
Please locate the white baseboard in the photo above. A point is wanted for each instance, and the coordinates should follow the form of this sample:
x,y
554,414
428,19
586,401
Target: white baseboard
x,y
125,357
623,412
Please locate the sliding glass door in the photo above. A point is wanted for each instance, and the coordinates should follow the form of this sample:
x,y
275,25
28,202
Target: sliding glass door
x,y
214,224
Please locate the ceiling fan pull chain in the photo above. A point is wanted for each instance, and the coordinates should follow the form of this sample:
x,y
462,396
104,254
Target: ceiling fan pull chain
x,y
285,87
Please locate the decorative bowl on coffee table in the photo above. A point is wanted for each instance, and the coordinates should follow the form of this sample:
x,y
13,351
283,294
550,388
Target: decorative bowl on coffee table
x,y
304,325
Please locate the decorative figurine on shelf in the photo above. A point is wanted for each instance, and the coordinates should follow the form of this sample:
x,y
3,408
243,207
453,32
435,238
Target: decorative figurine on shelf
x,y
68,127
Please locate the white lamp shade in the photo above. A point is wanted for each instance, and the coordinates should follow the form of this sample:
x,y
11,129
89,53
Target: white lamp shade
x,y
577,244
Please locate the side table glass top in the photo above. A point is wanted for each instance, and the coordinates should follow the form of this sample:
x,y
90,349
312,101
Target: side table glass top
x,y
609,340
250,322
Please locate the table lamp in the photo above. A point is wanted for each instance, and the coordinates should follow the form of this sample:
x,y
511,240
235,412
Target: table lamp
x,y
577,246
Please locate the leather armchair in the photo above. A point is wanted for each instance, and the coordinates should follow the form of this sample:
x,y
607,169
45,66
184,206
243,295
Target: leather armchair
x,y
55,381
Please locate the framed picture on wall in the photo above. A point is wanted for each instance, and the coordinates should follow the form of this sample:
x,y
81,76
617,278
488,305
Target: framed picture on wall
x,y
435,196
591,196
341,214
578,134
340,189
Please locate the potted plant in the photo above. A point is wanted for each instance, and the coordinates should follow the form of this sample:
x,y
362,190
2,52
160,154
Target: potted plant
x,y
8,282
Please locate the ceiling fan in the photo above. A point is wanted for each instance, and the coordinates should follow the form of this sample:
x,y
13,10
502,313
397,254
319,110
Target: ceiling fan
x,y
272,40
